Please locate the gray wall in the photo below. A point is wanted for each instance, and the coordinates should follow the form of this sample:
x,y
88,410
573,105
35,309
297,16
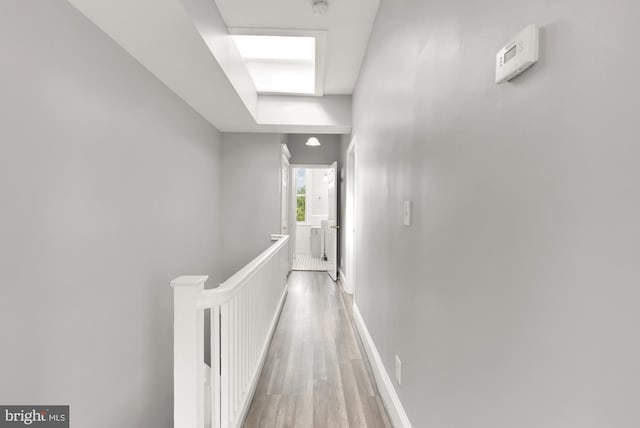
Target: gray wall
x,y
250,196
513,299
301,154
110,188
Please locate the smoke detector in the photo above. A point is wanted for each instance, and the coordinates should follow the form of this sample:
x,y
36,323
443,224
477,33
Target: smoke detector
x,y
320,7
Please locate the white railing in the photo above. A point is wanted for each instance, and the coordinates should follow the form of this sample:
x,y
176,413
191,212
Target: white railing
x,y
244,313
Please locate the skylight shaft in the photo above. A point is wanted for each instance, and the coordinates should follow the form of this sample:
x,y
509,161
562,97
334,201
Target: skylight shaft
x,y
284,48
280,64
285,78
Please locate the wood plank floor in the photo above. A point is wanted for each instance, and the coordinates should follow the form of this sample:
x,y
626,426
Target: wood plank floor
x,y
316,373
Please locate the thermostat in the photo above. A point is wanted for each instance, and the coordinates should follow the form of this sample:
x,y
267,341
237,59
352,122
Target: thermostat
x,y
517,55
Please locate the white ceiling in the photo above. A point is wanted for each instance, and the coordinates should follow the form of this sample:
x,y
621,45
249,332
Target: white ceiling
x,y
348,24
186,44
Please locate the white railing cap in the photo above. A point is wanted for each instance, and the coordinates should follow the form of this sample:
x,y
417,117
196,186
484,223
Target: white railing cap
x,y
226,290
189,280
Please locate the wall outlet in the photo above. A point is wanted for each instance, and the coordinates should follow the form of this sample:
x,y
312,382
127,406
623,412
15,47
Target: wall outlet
x,y
398,370
406,208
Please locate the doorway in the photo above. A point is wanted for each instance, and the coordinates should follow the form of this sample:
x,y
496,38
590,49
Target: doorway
x,y
313,200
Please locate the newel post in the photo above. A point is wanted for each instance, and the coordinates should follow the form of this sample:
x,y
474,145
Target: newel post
x,y
188,352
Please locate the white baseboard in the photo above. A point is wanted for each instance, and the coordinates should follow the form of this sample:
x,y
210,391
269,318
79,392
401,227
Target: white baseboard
x,y
390,398
343,278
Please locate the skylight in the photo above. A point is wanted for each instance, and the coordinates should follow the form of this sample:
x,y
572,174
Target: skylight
x,y
280,64
276,47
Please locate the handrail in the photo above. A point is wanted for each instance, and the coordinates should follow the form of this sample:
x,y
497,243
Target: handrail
x,y
244,312
229,288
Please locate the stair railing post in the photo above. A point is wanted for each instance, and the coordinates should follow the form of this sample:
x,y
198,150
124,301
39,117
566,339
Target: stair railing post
x,y
188,352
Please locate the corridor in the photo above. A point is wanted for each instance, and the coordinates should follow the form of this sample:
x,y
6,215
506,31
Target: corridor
x,y
468,170
316,374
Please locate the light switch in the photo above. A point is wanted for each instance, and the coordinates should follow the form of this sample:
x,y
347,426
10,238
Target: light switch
x,y
407,213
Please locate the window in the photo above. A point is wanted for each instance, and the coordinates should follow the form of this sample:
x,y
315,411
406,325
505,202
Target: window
x,y
301,195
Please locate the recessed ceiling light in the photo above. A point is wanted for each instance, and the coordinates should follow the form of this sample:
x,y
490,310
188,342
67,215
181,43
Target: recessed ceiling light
x,y
313,142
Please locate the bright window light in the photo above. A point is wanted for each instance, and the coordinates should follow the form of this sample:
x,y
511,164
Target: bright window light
x,y
286,78
280,64
277,47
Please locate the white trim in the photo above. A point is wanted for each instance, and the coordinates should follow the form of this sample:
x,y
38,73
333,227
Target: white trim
x,y
285,151
349,229
293,216
352,145
285,182
398,416
343,279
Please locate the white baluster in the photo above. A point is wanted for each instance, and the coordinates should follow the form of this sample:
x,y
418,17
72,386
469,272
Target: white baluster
x,y
216,386
225,355
236,356
233,355
245,331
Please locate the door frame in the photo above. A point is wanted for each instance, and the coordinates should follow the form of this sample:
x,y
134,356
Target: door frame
x,y
285,200
351,180
293,201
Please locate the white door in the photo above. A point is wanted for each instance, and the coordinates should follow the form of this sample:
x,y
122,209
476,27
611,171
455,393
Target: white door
x,y
332,232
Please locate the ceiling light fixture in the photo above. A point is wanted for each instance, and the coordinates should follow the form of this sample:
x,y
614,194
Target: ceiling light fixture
x,y
320,7
313,142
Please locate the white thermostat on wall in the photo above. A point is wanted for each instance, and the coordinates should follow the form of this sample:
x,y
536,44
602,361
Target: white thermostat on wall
x,y
517,55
